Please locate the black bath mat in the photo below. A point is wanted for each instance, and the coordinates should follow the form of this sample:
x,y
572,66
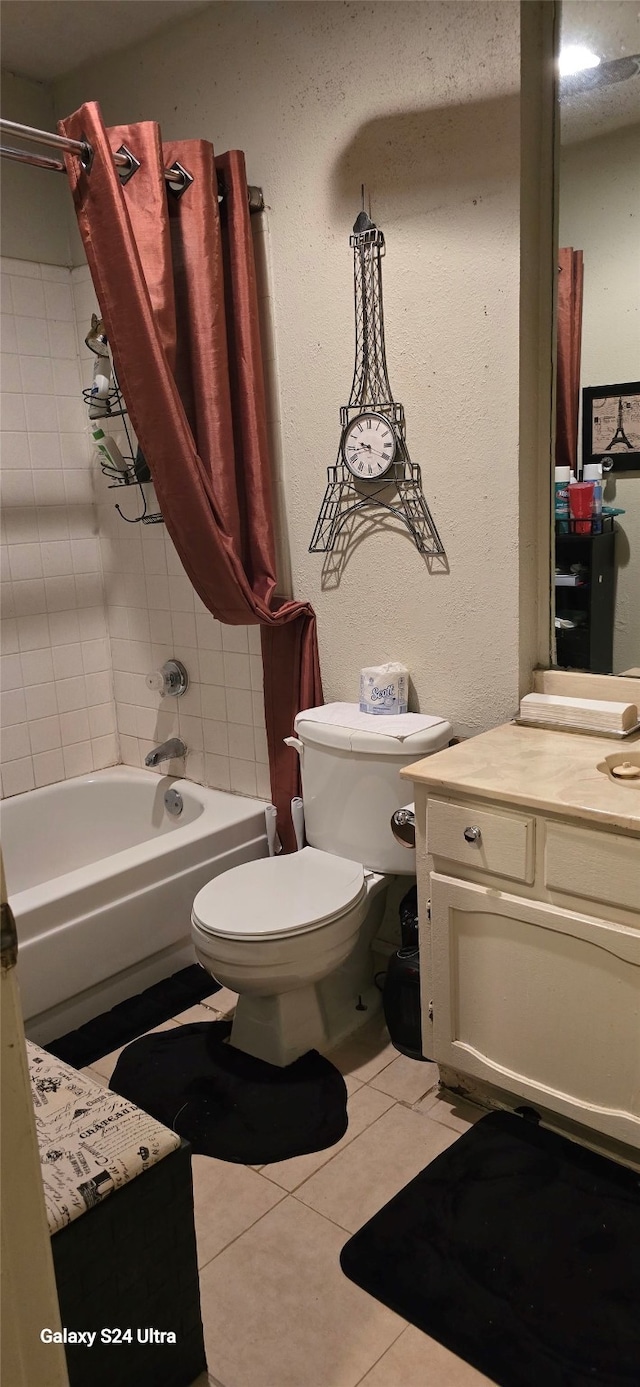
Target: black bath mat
x,y
520,1252
227,1104
133,1017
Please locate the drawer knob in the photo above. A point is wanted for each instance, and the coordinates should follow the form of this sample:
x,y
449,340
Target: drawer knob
x,y
472,834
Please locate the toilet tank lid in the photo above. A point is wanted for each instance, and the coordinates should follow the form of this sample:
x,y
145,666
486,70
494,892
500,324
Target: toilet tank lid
x,y
343,727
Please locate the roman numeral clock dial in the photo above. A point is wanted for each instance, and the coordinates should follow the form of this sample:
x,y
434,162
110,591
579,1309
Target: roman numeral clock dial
x,y
373,467
369,446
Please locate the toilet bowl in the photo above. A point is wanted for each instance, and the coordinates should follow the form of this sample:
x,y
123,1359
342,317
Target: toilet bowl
x,y
274,930
292,935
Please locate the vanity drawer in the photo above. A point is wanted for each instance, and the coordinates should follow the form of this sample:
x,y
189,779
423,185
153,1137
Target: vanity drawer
x,y
499,843
597,866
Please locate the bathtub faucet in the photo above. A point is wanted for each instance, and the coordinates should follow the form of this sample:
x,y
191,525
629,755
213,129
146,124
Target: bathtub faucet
x,y
167,752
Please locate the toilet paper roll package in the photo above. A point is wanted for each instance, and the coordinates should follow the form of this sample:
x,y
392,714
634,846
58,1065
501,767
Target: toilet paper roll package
x,y
384,689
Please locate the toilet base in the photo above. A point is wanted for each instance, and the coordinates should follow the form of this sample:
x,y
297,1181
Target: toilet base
x,y
281,1028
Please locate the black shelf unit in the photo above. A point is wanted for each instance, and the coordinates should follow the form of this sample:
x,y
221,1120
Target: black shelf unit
x,y
588,645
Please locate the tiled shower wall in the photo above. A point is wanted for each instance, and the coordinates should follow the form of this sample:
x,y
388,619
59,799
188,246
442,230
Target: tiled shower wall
x,y
153,614
91,604
57,709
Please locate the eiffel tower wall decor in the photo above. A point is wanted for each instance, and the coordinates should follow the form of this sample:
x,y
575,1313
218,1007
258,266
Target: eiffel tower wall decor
x,y
373,469
611,426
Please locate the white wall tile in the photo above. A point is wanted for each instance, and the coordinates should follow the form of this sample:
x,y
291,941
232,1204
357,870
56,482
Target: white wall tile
x,y
28,297
241,743
67,661
242,776
44,448
237,671
10,378
13,413
78,759
36,375
15,448
48,767
37,666
235,639
15,742
45,734
71,694
29,597
32,336
18,776
8,334
75,726
41,700
32,632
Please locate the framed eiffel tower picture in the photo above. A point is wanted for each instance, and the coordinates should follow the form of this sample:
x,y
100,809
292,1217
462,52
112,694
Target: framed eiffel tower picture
x,y
611,426
373,469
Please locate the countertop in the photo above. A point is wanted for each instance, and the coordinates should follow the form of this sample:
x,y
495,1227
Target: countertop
x,y
551,771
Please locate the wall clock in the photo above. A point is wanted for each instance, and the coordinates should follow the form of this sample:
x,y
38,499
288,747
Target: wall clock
x,y
373,467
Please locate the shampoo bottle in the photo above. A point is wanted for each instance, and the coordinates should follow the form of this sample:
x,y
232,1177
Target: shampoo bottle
x,y
108,450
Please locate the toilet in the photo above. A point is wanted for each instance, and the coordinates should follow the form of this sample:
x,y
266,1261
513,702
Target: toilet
x,y
292,935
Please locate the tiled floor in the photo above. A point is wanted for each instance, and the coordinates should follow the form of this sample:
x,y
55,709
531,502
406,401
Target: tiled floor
x,y
276,1307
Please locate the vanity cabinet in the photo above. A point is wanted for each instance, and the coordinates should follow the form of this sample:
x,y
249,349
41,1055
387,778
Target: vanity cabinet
x,y
530,961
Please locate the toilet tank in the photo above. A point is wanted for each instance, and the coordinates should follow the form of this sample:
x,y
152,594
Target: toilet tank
x,y
351,785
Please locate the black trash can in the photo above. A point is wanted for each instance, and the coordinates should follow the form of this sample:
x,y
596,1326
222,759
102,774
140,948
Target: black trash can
x,y
401,993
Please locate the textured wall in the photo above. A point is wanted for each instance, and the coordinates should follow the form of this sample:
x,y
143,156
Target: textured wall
x,y
600,214
421,102
35,203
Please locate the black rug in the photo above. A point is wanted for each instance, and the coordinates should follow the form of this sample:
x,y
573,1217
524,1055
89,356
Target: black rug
x,y
133,1017
226,1103
520,1252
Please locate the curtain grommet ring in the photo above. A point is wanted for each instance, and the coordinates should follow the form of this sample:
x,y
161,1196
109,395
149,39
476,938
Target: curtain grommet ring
x,y
180,179
86,158
132,166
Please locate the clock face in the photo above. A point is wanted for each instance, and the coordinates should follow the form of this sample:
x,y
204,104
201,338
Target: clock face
x,y
369,446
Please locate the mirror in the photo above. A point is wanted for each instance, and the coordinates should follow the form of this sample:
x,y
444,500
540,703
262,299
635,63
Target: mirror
x,y
596,599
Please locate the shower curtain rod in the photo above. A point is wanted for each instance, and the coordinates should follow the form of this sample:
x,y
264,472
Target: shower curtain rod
x,y
177,177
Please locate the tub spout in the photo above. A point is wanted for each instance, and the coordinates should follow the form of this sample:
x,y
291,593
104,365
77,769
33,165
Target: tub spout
x,y
168,751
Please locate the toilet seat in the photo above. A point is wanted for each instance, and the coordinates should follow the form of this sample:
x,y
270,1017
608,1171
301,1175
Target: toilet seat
x,y
277,897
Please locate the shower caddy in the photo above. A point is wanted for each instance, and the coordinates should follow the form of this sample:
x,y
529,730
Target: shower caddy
x,y
115,408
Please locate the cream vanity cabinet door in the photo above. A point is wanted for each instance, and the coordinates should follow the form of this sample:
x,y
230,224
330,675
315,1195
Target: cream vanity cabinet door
x,y
540,1001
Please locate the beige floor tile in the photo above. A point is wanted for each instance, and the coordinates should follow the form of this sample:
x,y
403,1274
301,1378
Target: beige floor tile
x,y
371,1169
227,1198
107,1063
367,1052
223,1001
405,1079
200,1012
363,1107
417,1361
278,1311
451,1111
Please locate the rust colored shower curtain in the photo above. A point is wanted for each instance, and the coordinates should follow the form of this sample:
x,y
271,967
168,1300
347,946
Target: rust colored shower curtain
x,y
570,282
175,282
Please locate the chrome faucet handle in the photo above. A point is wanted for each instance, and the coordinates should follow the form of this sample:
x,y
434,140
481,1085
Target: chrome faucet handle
x,y
172,679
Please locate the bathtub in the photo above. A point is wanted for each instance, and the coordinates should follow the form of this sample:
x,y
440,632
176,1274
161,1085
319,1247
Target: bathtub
x,y
101,879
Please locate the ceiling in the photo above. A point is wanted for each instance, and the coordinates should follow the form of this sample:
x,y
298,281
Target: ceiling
x,y
611,29
44,39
